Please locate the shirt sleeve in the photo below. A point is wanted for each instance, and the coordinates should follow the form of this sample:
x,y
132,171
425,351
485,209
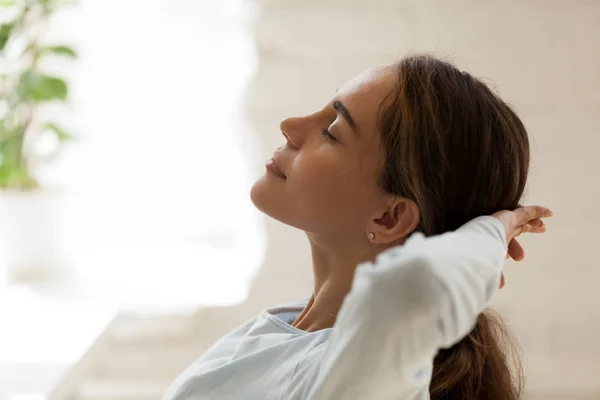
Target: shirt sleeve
x,y
412,301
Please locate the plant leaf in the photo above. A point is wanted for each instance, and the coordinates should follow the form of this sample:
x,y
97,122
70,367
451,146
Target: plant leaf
x,y
39,87
61,134
12,150
14,177
66,3
32,3
7,3
5,30
60,50
5,176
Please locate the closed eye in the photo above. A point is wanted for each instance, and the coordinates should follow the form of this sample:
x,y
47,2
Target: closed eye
x,y
328,135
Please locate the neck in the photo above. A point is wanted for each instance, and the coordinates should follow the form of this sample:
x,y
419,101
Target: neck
x,y
334,263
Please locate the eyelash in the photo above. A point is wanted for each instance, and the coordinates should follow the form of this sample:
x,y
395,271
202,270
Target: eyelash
x,y
328,135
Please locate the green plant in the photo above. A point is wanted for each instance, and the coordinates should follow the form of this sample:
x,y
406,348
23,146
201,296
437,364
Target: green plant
x,y
24,88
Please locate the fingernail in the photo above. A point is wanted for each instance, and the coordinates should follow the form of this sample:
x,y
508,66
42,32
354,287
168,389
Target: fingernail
x,y
549,213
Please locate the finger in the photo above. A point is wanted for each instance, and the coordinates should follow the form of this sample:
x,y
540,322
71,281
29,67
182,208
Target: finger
x,y
536,222
515,250
529,228
529,213
502,281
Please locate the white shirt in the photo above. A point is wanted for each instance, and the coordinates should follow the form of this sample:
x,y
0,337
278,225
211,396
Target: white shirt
x,y
412,301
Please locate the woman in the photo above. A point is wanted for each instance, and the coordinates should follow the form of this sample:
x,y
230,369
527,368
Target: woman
x,y
394,182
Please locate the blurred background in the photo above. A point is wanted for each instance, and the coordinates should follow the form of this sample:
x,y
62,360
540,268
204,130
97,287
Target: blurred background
x,y
129,243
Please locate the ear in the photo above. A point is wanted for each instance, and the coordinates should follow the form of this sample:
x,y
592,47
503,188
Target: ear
x,y
395,222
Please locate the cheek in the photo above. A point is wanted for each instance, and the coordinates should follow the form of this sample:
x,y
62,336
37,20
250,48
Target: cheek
x,y
332,198
321,195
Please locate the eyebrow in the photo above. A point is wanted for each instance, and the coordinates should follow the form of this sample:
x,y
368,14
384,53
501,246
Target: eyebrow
x,y
339,107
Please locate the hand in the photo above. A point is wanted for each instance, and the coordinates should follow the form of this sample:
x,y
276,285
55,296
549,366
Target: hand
x,y
521,220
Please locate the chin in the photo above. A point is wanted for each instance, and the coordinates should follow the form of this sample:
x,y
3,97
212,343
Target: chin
x,y
265,197
270,200
257,194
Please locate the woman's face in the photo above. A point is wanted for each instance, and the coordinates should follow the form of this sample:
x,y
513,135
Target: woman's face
x,y
330,182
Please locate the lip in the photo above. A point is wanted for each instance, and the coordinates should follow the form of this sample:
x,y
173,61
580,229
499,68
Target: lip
x,y
273,168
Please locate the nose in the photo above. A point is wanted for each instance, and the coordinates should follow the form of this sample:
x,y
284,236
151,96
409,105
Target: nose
x,y
291,128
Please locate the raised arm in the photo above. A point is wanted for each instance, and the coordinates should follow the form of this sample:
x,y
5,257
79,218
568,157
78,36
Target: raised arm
x,y
414,300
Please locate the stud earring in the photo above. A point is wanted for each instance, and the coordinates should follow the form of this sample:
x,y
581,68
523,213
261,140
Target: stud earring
x,y
371,236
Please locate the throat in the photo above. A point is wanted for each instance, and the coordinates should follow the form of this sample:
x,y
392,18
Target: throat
x,y
334,262
322,309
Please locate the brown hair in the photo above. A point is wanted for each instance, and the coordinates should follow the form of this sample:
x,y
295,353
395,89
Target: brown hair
x,y
458,151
